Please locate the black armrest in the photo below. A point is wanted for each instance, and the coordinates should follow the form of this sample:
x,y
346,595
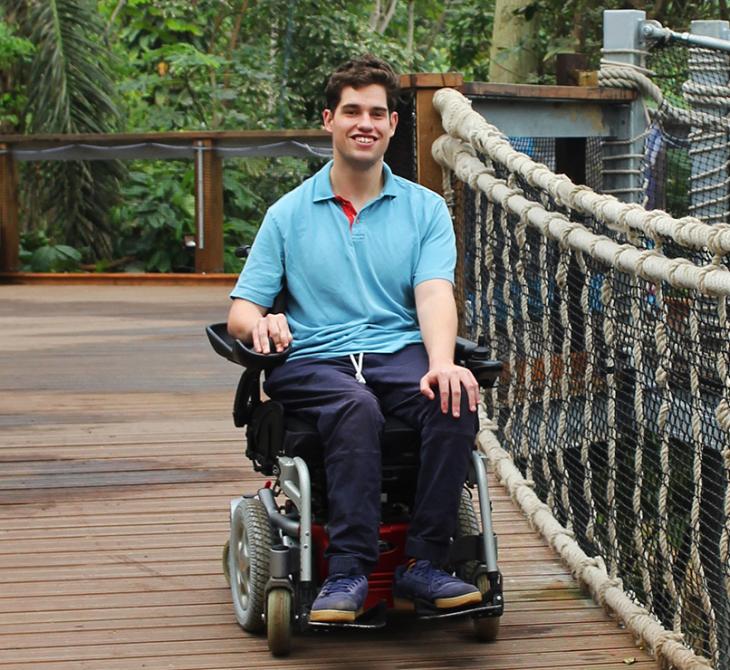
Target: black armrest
x,y
237,352
476,358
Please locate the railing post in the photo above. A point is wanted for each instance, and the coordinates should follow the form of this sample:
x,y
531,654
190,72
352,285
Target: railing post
x,y
9,236
208,208
428,122
708,183
623,155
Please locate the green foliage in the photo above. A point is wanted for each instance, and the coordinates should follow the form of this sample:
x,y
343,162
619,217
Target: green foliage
x,y
12,48
157,212
144,65
69,89
14,51
39,254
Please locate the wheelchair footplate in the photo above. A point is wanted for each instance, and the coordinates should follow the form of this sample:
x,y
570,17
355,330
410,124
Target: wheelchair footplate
x,y
427,610
375,617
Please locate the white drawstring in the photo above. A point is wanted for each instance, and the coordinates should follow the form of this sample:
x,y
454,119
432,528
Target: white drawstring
x,y
357,364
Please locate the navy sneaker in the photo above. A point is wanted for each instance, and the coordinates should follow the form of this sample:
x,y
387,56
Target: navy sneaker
x,y
419,580
341,598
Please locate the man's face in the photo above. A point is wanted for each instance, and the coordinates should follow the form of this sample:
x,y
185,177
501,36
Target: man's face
x,y
361,126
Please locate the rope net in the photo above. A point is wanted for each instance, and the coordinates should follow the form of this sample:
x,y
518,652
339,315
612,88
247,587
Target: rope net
x,y
614,400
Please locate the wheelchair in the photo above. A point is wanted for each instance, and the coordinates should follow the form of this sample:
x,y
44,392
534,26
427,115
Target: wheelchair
x,y
274,558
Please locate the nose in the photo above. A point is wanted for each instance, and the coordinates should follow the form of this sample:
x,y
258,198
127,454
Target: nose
x,y
365,121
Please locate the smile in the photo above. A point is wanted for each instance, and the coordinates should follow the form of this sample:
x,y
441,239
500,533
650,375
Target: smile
x,y
360,139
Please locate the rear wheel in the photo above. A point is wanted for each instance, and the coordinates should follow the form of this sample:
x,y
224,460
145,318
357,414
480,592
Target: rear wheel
x,y
248,562
278,621
467,524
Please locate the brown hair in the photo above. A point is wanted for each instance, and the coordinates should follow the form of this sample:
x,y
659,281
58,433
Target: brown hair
x,y
360,72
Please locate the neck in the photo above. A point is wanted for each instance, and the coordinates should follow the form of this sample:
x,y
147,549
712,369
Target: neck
x,y
356,185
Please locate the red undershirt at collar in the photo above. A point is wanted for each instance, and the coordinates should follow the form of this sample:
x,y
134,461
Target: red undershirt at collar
x,y
348,208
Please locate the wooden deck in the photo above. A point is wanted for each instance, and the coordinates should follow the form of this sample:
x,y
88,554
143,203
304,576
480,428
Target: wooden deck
x,y
118,458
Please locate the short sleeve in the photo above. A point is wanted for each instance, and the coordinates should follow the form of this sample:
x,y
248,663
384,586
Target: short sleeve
x,y
262,276
437,257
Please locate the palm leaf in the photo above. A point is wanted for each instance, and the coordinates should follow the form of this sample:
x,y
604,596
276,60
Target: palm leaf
x,y
70,90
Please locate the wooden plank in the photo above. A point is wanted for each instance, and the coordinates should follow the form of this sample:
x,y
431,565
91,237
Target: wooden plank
x,y
179,136
547,92
116,278
97,574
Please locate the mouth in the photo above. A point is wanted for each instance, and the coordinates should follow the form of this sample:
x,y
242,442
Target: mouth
x,y
364,140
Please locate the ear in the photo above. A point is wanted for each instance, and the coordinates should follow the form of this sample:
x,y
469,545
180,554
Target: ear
x,y
393,122
327,117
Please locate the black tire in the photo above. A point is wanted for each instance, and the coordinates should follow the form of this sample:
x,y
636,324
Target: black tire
x,y
278,621
248,561
226,562
467,524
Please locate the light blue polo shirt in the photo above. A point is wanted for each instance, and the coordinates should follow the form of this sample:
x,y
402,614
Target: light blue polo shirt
x,y
350,289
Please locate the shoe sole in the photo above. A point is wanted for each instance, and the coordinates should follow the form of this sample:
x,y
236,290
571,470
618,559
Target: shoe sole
x,y
333,616
473,598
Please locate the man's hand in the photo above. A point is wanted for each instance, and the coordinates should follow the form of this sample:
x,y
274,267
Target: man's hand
x,y
272,326
449,379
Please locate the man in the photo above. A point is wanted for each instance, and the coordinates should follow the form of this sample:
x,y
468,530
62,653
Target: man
x,y
368,259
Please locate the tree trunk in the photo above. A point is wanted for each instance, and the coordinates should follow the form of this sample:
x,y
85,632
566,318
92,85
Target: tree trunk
x,y
512,55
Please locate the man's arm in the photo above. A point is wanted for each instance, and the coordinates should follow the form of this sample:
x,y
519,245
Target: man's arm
x,y
250,323
437,319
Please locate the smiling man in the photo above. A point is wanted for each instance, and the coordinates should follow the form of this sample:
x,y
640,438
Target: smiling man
x,y
367,259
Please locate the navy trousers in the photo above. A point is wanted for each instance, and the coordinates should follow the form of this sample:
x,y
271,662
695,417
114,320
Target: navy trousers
x,y
349,419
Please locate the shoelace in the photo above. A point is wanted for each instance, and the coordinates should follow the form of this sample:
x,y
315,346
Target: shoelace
x,y
339,584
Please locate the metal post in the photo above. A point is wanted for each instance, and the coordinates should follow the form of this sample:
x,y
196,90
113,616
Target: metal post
x,y
708,148
623,154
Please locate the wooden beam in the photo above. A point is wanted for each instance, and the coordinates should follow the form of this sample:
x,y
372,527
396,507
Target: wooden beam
x,y
545,92
208,208
9,235
428,124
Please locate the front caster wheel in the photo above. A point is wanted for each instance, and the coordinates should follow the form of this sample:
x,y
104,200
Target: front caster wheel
x,y
278,621
226,565
486,629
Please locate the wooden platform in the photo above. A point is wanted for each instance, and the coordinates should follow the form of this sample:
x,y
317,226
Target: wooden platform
x,y
117,460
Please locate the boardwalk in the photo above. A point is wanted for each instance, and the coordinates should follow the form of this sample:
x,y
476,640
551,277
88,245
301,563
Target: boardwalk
x,y
117,460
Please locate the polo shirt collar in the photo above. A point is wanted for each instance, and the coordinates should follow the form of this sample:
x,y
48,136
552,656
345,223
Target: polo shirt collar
x,y
323,186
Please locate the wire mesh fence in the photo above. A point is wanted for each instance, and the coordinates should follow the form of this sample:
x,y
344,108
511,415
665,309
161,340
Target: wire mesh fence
x,y
685,165
609,403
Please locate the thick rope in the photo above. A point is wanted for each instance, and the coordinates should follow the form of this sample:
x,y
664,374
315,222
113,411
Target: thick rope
x,y
462,122
455,155
589,572
654,267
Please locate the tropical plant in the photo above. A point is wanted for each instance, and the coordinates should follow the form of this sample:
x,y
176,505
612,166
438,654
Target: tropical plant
x,y
69,88
14,50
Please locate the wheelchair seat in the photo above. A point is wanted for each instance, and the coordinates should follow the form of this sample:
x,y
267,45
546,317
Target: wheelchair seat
x,y
270,432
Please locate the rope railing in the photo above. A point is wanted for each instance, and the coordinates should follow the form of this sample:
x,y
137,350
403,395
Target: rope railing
x,y
461,121
614,404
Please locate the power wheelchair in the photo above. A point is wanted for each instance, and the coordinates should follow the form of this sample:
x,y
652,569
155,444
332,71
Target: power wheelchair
x,y
274,559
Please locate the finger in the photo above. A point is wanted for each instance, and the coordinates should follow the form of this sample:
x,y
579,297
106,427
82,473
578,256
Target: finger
x,y
274,333
444,392
472,389
284,332
256,339
264,336
426,387
455,384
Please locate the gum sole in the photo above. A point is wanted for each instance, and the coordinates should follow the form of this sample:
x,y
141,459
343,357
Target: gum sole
x,y
474,598
333,616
